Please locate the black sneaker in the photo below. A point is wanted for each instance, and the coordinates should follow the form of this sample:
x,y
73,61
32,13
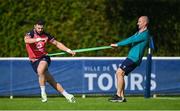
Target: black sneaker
x,y
116,98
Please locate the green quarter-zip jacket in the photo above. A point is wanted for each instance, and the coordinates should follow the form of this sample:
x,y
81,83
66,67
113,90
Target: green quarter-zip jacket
x,y
138,44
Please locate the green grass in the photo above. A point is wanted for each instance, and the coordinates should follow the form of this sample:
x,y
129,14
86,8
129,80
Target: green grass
x,y
90,103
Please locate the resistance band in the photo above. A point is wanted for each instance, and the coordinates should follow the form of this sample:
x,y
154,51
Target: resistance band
x,y
82,50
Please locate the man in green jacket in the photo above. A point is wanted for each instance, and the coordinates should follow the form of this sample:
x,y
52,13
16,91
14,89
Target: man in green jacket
x,y
138,43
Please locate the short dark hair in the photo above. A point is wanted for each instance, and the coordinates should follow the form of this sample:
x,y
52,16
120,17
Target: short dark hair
x,y
40,22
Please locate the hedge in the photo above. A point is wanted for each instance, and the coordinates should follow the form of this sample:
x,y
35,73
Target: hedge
x,y
89,23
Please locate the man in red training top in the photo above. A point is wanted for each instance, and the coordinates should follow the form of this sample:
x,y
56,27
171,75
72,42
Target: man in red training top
x,y
35,41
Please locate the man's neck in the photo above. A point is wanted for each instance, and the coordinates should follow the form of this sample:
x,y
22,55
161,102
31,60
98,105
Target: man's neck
x,y
142,29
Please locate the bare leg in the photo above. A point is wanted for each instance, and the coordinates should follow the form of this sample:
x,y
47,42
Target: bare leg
x,y
120,82
58,87
44,76
53,83
42,68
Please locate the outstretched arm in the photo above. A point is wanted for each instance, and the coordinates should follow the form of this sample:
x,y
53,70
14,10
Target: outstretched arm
x,y
133,39
29,40
61,46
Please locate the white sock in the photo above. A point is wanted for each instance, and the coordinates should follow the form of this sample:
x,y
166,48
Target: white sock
x,y
64,93
43,89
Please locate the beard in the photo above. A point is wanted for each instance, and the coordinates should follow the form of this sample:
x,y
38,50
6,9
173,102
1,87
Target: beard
x,y
39,32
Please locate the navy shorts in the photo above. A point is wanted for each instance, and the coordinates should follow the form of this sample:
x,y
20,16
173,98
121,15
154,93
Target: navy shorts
x,y
128,66
36,63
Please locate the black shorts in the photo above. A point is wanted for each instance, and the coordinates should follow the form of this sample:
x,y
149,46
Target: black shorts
x,y
36,63
128,66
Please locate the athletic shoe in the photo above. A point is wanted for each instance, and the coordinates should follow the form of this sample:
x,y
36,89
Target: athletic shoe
x,y
70,98
116,98
44,97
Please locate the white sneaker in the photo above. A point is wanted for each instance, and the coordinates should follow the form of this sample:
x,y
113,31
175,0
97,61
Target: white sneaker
x,y
70,98
44,97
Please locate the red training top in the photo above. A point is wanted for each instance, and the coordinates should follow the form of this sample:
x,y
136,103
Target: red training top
x,y
37,50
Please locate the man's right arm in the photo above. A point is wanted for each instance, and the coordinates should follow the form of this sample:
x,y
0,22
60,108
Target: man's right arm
x,y
29,40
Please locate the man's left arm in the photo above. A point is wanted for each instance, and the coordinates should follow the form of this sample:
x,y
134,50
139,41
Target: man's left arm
x,y
61,46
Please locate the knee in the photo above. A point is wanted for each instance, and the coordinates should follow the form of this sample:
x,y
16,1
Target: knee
x,y
120,72
40,73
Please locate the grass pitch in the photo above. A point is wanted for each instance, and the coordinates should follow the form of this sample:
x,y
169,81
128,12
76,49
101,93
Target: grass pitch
x,y
90,103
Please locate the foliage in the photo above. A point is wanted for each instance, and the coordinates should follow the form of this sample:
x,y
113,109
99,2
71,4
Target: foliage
x,y
89,23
